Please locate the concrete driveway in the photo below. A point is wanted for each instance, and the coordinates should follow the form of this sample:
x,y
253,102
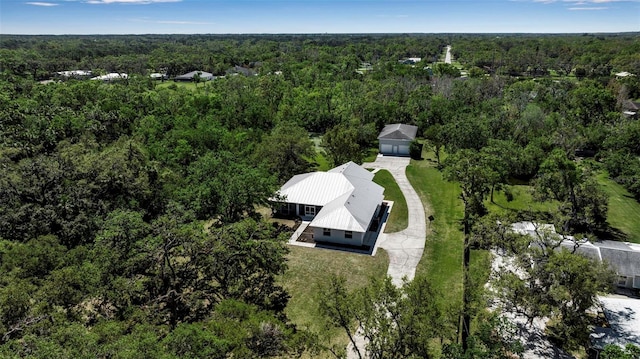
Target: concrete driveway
x,y
405,247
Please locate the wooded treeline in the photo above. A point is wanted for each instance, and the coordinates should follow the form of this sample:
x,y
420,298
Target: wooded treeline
x,y
128,209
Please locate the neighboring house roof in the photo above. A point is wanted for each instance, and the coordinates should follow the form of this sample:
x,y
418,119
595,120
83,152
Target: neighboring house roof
x,y
191,75
631,105
157,75
532,229
623,257
624,74
74,73
244,71
398,131
111,76
347,194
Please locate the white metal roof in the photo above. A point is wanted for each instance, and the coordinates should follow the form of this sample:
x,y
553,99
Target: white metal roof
x,y
347,194
318,188
353,210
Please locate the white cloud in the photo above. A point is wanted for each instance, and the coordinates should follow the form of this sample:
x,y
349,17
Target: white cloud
x,y
583,2
587,8
37,3
139,2
178,22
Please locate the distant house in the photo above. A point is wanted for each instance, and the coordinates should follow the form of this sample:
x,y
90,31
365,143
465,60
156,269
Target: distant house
x,y
364,68
191,76
113,76
395,139
622,257
410,60
74,74
158,76
241,70
340,203
631,109
624,74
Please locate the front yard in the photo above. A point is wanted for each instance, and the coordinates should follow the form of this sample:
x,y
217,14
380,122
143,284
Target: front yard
x,y
310,268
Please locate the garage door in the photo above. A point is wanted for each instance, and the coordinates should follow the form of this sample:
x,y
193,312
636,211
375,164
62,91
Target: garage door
x,y
386,148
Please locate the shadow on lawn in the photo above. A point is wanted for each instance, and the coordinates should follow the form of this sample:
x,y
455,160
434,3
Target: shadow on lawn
x,y
613,234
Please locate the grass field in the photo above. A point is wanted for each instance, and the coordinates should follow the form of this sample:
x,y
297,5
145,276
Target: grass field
x,y
624,210
442,258
320,159
522,201
187,85
399,217
309,268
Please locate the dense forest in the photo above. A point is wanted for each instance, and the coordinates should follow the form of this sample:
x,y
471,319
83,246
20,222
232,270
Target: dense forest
x,y
129,224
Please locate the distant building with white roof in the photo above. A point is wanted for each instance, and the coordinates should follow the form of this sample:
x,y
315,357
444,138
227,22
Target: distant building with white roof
x,y
111,77
74,73
624,74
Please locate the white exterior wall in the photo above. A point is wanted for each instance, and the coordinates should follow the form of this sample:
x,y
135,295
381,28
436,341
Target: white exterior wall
x,y
394,147
337,236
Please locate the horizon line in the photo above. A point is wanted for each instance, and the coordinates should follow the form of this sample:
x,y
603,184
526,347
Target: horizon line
x,y
337,33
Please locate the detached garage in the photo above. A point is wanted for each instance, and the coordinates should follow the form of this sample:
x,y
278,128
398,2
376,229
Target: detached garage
x,y
395,139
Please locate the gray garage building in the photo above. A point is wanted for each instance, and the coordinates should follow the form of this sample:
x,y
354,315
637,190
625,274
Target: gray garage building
x,y
395,139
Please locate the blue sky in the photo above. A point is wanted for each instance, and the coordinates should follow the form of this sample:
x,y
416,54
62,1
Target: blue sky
x,y
316,16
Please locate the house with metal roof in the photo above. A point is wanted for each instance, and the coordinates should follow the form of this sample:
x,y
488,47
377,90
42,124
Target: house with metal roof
x,y
395,139
191,76
340,203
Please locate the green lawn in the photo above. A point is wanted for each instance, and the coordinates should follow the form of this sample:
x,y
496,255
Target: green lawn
x,y
309,268
442,258
370,154
522,201
188,85
399,217
624,210
320,159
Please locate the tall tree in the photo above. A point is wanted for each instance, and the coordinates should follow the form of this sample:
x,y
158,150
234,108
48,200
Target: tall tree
x,y
543,278
396,322
341,143
286,151
581,199
475,177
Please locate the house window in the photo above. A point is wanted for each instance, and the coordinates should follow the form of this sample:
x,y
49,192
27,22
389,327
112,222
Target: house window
x,y
622,281
348,234
326,232
310,210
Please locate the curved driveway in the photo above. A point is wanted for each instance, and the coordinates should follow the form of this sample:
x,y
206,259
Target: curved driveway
x,y
405,247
